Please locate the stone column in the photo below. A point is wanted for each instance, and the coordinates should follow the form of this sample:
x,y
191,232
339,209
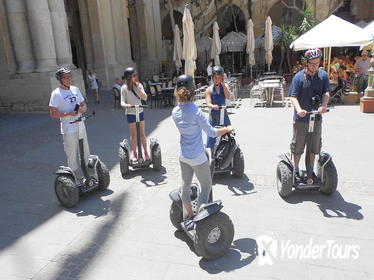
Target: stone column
x,y
61,33
19,31
42,35
148,23
86,32
121,32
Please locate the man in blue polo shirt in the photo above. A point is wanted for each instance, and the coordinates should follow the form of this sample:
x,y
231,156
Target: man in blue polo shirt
x,y
309,91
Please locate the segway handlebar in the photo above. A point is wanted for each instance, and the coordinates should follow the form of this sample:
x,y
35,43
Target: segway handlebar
x,y
140,106
83,118
219,107
316,112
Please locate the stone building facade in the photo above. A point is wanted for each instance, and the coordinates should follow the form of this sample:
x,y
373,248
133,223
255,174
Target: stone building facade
x,y
37,36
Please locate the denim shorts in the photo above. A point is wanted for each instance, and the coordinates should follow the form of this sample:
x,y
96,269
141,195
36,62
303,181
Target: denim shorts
x,y
132,118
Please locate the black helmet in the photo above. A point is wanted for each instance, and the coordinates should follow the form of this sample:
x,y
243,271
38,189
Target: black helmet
x,y
185,81
61,72
128,72
217,70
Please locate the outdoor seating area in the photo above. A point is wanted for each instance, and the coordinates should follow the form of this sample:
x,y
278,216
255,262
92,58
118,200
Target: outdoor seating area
x,y
268,90
160,92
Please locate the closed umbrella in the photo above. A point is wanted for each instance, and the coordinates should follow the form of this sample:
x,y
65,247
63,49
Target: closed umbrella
x,y
268,42
216,45
177,56
189,52
250,45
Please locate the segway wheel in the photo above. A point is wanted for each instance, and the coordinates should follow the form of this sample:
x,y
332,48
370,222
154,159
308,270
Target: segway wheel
x,y
176,214
330,178
284,179
214,236
238,164
103,174
66,191
156,158
123,161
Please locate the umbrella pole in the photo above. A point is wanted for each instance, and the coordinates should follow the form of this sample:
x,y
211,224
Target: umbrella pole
x,y
251,73
232,60
329,61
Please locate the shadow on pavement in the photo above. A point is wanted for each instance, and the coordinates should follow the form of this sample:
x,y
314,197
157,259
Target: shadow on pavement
x,y
333,206
181,235
31,152
241,253
93,204
73,264
239,186
149,177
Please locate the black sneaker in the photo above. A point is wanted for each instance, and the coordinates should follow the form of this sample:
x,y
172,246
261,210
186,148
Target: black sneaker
x,y
316,180
297,177
313,179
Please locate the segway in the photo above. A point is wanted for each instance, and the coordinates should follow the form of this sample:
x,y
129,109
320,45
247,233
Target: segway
x,y
140,162
96,174
327,177
227,156
211,230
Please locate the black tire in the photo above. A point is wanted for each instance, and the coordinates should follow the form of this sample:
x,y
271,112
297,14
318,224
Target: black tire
x,y
176,214
123,161
284,179
206,249
66,191
156,158
104,177
238,164
330,179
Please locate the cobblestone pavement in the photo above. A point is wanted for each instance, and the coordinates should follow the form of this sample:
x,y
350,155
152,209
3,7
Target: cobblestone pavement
x,y
125,232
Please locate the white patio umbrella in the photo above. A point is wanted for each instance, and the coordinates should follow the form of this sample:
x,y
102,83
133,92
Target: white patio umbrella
x,y
268,43
250,44
177,55
189,52
216,45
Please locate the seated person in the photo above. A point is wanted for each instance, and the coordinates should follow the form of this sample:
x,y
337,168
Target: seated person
x,y
117,84
342,74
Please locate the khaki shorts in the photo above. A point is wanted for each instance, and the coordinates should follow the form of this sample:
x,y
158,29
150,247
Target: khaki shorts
x,y
300,131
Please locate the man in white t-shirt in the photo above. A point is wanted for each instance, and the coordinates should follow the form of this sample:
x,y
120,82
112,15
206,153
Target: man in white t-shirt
x,y
362,66
62,104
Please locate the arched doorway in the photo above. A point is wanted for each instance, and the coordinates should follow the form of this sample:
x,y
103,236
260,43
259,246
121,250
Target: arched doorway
x,y
76,36
231,18
167,29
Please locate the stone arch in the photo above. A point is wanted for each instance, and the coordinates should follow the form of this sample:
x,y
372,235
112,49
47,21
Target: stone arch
x,y
280,14
260,10
225,19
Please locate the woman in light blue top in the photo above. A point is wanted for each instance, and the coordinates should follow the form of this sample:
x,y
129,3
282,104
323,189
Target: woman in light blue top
x,y
190,122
